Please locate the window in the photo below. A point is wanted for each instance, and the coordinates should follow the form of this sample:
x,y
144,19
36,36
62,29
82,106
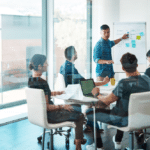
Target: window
x,y
20,39
72,28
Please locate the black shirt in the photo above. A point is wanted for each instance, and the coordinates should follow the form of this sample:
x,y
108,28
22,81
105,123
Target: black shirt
x,y
125,87
147,72
39,83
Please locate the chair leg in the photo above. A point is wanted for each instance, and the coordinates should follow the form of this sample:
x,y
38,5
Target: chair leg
x,y
131,141
51,139
100,125
43,139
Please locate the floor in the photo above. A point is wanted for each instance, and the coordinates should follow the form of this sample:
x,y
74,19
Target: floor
x,y
9,115
22,135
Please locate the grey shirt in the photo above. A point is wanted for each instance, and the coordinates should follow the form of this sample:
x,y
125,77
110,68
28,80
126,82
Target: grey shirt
x,y
125,87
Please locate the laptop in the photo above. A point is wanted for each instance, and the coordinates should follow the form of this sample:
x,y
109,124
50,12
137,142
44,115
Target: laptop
x,y
87,85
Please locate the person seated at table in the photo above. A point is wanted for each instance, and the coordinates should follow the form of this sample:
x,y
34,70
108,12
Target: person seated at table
x,y
118,115
68,70
55,113
147,72
72,76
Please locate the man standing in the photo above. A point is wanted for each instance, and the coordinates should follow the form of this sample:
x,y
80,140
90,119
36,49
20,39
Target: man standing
x,y
102,54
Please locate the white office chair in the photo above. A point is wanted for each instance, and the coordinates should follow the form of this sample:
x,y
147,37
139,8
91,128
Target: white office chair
x,y
138,115
60,83
37,112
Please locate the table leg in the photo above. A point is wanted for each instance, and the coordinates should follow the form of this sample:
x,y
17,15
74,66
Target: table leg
x,y
94,128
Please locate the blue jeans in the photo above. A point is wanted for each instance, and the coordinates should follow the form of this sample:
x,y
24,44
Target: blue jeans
x,y
64,115
91,124
103,115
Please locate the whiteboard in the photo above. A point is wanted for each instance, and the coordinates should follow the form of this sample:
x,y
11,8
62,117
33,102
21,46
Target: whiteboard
x,y
135,44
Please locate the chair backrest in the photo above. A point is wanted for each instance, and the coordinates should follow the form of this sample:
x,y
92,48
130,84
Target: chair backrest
x,y
60,83
139,111
36,104
37,110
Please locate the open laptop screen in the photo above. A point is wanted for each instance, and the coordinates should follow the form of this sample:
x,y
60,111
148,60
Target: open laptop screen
x,y
87,86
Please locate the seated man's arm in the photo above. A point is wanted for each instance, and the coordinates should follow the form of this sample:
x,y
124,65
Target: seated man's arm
x,y
107,100
104,101
105,81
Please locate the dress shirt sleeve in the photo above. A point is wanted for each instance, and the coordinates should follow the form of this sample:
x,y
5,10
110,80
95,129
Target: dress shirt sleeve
x,y
112,43
77,74
96,60
97,53
61,70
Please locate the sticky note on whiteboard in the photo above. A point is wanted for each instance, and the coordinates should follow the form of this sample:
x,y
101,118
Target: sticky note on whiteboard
x,y
141,33
133,45
127,44
133,41
138,37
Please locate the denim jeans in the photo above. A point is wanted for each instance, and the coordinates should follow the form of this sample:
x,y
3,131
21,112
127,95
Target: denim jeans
x,y
64,115
103,115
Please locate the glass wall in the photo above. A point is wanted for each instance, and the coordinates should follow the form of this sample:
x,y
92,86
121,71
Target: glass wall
x,y
20,39
70,29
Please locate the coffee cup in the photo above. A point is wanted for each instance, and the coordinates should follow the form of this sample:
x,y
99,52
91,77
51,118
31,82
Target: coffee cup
x,y
112,81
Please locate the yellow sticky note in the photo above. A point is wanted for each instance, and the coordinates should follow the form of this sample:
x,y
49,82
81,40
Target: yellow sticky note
x,y
138,37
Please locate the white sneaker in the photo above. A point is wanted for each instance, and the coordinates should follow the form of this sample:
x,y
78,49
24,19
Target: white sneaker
x,y
92,147
117,144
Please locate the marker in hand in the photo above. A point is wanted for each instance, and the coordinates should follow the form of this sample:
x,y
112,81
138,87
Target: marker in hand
x,y
128,34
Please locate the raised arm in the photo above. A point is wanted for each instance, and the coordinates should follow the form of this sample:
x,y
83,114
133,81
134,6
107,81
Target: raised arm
x,y
125,36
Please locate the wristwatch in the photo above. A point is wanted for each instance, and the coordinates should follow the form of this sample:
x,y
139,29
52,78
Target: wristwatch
x,y
96,95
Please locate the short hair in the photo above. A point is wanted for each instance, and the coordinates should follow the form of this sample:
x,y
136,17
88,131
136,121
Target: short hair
x,y
37,60
69,52
148,54
129,62
104,27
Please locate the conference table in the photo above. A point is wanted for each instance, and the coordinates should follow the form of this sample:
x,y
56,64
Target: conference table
x,y
105,90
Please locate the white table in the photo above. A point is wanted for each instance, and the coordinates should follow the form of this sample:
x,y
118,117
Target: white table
x,y
88,101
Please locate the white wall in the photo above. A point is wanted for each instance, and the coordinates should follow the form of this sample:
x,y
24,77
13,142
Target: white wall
x,y
109,11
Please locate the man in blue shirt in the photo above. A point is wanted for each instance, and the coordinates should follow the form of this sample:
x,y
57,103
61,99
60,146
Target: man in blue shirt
x,y
102,54
68,70
72,76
